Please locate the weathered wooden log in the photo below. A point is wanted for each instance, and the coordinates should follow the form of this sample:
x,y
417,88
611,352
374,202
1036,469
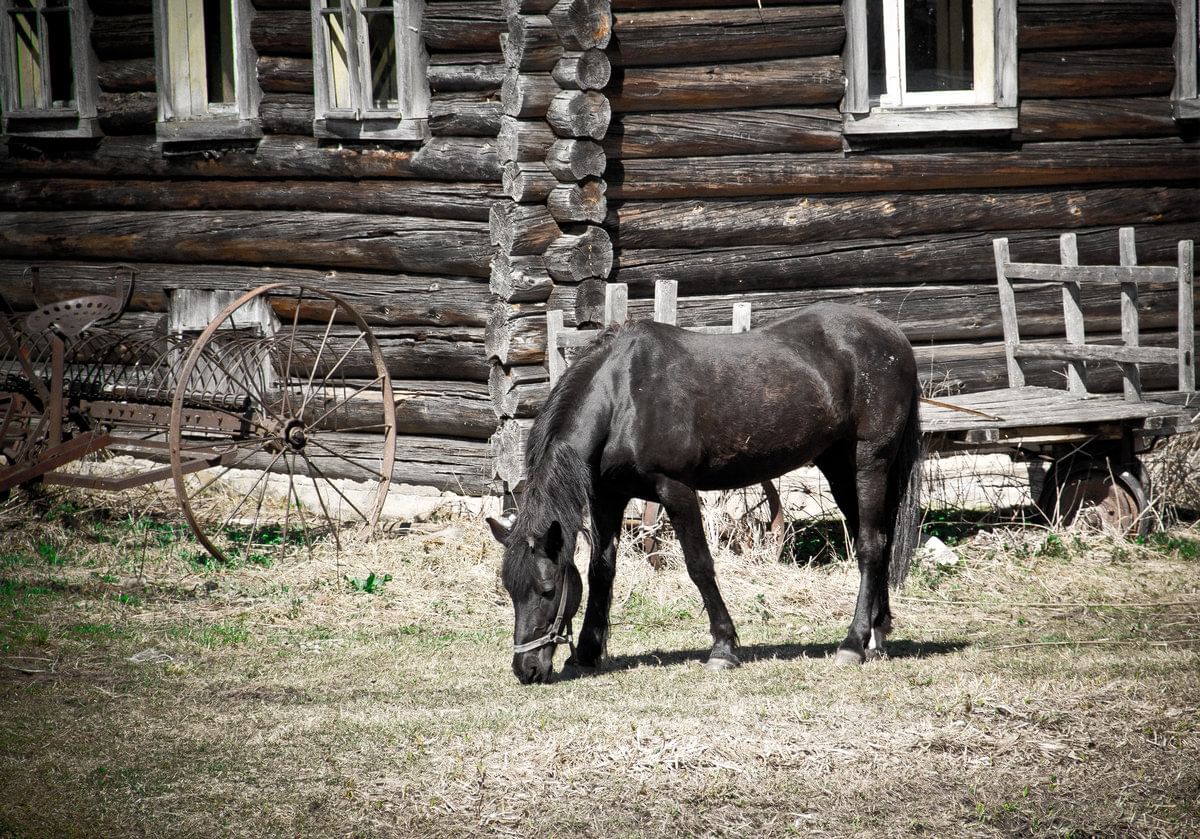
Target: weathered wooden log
x,y
915,260
287,113
507,449
589,301
444,408
524,140
578,255
282,32
1113,72
441,158
1081,119
388,299
574,160
532,43
1037,164
522,229
451,72
129,74
285,74
1086,23
800,81
465,114
515,337
344,240
526,7
127,113
583,70
577,113
520,279
680,37
678,224
121,7
463,25
582,24
579,202
526,182
432,199
527,94
452,465
723,132
123,37
518,391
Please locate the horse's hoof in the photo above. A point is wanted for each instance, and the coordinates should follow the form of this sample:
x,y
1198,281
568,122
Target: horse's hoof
x,y
848,657
716,663
875,655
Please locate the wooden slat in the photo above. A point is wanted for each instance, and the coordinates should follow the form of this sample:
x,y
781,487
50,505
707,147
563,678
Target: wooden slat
x,y
1090,274
1072,297
665,297
1187,315
616,303
1132,380
1091,352
1008,313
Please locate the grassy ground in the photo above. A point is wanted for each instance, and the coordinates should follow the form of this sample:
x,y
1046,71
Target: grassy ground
x,y
1043,686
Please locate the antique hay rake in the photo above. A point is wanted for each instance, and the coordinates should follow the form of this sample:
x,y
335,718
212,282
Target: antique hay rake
x,y
271,412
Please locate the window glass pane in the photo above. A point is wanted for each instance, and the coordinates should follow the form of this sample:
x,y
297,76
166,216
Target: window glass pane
x,y
62,71
381,39
28,51
338,81
938,49
218,51
876,56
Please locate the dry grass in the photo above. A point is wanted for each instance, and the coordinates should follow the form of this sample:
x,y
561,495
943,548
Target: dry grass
x,y
1045,686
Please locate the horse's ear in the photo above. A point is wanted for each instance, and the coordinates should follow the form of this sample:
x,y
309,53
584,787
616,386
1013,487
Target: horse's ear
x,y
500,529
554,540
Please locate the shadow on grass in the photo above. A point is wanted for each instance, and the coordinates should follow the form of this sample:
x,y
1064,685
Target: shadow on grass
x,y
754,653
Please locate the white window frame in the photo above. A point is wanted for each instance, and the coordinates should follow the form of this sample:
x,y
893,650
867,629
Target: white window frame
x,y
184,114
75,120
990,106
410,119
1185,97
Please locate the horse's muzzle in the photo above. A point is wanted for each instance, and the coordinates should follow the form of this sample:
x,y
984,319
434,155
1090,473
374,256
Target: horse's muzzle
x,y
533,668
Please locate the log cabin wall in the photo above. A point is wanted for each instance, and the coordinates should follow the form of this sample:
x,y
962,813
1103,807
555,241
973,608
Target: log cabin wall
x,y
728,170
400,230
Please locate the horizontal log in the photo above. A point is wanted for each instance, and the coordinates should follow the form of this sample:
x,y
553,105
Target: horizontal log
x,y
1114,72
706,133
532,44
433,199
129,74
680,37
528,182
962,257
582,24
463,25
527,7
287,113
524,140
696,223
300,239
383,299
120,37
454,72
800,81
1062,351
1087,23
518,391
582,70
282,32
520,279
127,113
442,158
522,229
511,339
285,74
579,202
465,114
527,94
577,113
575,256
1038,164
444,408
1083,119
574,160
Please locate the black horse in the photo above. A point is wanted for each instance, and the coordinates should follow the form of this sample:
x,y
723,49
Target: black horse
x,y
656,412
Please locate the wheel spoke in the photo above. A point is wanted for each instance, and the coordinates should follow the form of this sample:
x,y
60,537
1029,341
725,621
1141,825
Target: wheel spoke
x,y
226,444
287,367
338,364
379,476
369,384
324,507
300,511
336,489
312,374
264,478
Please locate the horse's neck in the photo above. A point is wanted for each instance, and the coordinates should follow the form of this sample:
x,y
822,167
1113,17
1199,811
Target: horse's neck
x,y
560,487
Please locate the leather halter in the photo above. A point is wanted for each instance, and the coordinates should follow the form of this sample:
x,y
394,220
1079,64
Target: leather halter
x,y
554,635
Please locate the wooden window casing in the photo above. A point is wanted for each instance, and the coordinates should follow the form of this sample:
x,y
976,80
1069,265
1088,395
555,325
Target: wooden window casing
x,y
47,69
987,103
207,71
1185,96
370,70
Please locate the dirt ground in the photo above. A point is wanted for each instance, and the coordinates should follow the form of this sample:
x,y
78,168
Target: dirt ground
x,y
1044,685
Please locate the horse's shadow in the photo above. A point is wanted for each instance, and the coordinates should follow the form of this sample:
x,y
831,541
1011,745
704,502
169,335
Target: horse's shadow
x,y
755,653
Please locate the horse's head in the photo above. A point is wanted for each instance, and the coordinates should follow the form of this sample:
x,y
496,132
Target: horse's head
x,y
544,584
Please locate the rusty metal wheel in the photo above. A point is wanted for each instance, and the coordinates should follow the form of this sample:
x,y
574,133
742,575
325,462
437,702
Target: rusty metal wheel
x,y
282,433
1094,496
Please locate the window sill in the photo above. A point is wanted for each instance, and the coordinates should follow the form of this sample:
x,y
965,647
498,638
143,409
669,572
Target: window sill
x,y
224,128
1186,109
371,129
914,121
51,124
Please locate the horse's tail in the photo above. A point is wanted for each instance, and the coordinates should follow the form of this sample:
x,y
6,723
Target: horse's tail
x,y
905,480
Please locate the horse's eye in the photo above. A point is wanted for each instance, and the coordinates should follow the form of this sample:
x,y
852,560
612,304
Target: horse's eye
x,y
546,589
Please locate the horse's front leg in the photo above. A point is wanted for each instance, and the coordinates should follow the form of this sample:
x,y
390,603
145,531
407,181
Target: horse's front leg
x,y
593,637
683,509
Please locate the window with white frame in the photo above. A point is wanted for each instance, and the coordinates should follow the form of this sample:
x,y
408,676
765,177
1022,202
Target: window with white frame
x,y
1186,94
207,77
930,65
369,69
47,75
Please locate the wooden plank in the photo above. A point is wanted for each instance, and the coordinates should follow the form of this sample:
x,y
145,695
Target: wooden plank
x,y
1089,352
666,293
1089,274
1132,382
1072,298
741,317
1008,313
1187,315
616,303
556,361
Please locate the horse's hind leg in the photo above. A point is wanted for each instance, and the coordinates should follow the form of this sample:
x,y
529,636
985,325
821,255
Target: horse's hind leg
x,y
683,509
871,621
593,637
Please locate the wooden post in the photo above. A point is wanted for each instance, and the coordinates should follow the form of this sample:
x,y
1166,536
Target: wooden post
x,y
1187,319
1129,317
1008,314
616,303
741,318
1068,251
666,293
555,360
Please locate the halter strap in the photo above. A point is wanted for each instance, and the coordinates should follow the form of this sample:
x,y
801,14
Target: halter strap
x,y
554,635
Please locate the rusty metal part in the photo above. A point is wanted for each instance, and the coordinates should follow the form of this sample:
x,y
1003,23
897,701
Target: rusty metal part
x,y
72,317
952,407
